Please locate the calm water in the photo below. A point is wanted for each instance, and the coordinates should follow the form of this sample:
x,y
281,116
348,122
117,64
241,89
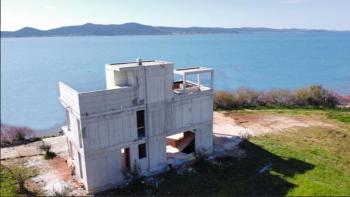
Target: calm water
x,y
31,67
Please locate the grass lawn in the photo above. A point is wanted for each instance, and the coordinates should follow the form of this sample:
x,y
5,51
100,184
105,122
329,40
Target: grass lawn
x,y
307,161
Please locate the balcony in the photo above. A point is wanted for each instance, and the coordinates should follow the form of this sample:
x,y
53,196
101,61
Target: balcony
x,y
186,86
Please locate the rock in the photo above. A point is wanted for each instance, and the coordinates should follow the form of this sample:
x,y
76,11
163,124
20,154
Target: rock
x,y
60,188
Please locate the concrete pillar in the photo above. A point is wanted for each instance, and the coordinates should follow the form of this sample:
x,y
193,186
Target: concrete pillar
x,y
198,80
211,79
184,82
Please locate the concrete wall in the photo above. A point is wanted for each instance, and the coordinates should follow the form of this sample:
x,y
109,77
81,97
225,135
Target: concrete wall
x,y
104,169
69,98
157,153
106,101
188,110
109,130
204,138
159,80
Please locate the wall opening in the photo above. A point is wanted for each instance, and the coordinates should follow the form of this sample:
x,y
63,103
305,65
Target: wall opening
x,y
125,158
80,166
70,151
140,119
180,146
79,134
123,78
142,151
67,119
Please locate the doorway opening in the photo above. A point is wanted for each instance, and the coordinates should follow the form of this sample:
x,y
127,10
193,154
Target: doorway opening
x,y
125,158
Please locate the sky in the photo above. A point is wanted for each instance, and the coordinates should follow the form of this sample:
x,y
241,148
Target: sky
x,y
46,14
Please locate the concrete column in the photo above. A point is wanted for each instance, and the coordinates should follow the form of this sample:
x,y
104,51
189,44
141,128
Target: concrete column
x,y
198,80
184,82
211,79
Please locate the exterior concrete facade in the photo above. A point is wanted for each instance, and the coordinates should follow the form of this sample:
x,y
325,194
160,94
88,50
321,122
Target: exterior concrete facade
x,y
124,127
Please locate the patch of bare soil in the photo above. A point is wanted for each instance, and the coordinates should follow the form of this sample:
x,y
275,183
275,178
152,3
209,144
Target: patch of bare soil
x,y
258,124
49,172
263,124
227,136
65,171
230,128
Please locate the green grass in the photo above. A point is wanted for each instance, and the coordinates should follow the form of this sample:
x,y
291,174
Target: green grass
x,y
326,150
9,181
307,161
341,115
7,184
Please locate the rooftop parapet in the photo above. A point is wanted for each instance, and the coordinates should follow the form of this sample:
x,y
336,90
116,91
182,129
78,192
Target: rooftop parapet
x,y
123,66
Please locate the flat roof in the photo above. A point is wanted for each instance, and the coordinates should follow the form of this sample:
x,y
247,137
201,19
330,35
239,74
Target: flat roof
x,y
192,70
128,65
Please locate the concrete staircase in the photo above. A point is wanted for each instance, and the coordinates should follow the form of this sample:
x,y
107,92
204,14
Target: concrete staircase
x,y
184,142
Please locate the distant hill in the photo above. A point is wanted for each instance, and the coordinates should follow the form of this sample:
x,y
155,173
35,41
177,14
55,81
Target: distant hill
x,y
90,29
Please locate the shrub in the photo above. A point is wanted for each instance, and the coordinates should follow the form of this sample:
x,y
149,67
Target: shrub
x,y
314,96
11,135
8,184
280,97
223,100
245,97
331,99
49,155
47,149
17,175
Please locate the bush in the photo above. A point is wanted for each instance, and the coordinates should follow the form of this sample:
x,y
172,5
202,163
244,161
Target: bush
x,y
11,135
313,96
8,184
245,97
17,177
278,97
48,154
223,100
45,147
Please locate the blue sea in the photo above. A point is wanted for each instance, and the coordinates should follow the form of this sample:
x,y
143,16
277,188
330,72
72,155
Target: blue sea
x,y
32,67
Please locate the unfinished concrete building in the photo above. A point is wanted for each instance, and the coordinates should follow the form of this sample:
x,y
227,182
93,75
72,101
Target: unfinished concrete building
x,y
144,120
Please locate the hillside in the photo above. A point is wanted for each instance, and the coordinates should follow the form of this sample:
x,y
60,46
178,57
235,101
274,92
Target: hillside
x,y
90,29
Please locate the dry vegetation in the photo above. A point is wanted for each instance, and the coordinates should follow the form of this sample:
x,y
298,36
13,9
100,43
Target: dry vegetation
x,y
12,135
314,96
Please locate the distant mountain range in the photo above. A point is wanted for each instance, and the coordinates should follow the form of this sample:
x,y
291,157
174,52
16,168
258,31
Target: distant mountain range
x,y
90,29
